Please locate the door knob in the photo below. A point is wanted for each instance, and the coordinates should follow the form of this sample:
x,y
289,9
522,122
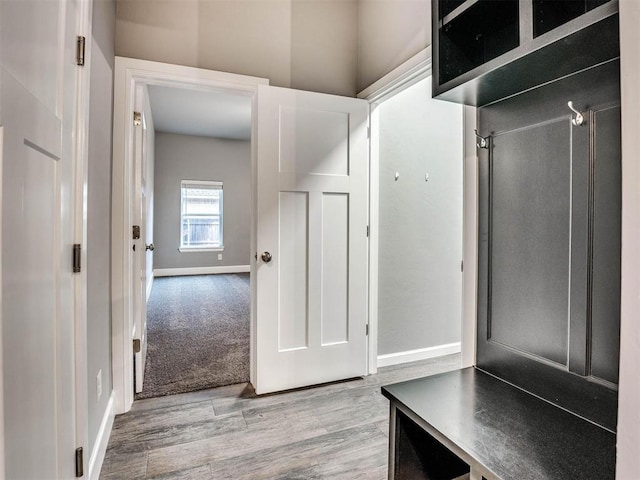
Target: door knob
x,y
149,246
266,257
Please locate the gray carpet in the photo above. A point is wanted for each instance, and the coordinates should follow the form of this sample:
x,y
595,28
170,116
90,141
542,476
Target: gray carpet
x,y
198,333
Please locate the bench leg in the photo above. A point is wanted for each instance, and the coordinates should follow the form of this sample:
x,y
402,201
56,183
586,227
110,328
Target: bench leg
x,y
392,441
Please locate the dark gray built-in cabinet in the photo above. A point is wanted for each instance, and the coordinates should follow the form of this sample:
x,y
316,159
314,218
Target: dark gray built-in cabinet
x,y
549,191
549,243
542,399
486,50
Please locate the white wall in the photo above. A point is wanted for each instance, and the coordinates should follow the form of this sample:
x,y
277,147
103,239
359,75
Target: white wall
x,y
420,222
184,157
629,389
330,46
390,32
324,46
303,44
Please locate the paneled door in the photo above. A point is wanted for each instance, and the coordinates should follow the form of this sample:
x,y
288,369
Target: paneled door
x,y
38,95
140,248
312,178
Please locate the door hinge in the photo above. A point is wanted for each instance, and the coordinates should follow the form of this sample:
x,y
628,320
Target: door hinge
x,y
79,462
368,132
80,46
367,230
367,330
462,265
137,119
77,256
136,345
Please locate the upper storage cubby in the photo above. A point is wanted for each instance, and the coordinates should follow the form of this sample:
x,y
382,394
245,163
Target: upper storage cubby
x,y
486,50
549,14
476,32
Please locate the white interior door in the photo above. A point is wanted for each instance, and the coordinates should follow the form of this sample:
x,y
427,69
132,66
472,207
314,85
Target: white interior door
x,y
139,280
38,111
312,177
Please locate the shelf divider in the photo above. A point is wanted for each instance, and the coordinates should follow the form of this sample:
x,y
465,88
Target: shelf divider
x,y
457,12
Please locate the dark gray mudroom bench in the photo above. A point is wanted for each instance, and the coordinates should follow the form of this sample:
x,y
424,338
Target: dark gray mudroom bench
x,y
468,424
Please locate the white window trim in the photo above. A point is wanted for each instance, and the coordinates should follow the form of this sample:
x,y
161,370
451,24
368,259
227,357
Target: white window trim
x,y
198,249
194,249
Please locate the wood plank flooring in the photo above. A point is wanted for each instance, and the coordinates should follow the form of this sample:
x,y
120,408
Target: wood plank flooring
x,y
334,431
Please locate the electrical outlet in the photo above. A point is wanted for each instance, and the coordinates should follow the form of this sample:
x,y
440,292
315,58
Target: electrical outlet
x,y
99,384
219,256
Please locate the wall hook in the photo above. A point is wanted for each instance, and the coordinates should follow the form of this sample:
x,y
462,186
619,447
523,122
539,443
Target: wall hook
x,y
397,176
483,142
579,120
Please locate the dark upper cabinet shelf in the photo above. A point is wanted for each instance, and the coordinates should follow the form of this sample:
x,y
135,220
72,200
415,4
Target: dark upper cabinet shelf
x,y
487,50
549,14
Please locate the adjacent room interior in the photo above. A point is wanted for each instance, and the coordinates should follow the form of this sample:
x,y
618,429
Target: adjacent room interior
x,y
198,188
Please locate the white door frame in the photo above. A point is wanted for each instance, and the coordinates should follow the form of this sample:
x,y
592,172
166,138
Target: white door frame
x,y
81,156
130,73
2,469
415,69
628,437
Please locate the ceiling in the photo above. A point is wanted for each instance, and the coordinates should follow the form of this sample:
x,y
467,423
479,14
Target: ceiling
x,y
202,113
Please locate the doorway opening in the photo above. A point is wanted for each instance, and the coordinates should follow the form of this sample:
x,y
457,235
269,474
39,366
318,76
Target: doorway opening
x,y
198,115
417,221
196,191
309,229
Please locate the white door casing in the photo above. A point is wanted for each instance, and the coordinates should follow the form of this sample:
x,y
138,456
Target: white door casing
x,y
2,440
129,74
412,71
312,181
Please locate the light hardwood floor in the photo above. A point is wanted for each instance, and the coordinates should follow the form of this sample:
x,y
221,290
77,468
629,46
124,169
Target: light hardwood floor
x,y
334,431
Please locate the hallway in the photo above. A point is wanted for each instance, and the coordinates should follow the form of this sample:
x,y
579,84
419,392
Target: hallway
x,y
334,431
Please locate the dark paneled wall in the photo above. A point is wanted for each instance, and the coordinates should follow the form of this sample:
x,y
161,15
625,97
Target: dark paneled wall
x,y
549,267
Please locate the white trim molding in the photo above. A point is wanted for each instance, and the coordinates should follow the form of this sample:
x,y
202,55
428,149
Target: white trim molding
x,y
173,272
200,249
409,73
628,436
100,446
419,354
2,440
469,239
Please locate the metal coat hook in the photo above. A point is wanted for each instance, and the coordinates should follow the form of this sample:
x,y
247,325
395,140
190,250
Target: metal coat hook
x,y
483,142
579,120
397,176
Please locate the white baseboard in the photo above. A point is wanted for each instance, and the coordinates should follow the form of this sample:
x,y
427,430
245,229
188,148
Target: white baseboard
x,y
420,354
171,272
100,445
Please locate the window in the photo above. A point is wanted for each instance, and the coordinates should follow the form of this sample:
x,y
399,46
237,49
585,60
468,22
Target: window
x,y
201,215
